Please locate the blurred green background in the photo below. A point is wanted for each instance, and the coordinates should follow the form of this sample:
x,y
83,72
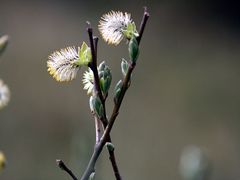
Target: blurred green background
x,y
185,89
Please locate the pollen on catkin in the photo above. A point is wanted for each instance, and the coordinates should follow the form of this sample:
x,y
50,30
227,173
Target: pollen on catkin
x,y
62,65
112,26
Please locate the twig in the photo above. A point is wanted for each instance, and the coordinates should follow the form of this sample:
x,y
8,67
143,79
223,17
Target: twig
x,y
97,121
143,24
112,156
126,81
61,164
97,128
98,148
93,66
95,39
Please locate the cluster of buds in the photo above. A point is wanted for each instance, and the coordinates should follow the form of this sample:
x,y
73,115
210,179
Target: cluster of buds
x,y
105,78
63,65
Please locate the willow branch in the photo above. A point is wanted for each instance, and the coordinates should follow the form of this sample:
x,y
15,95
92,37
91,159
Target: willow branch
x,y
93,66
98,148
125,82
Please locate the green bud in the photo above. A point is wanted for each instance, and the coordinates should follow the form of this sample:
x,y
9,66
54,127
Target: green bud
x,y
85,55
124,67
105,77
130,31
133,49
96,106
91,104
100,74
117,90
102,66
3,43
92,176
110,146
105,84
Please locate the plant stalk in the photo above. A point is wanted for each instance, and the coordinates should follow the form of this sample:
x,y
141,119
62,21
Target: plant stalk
x,y
106,135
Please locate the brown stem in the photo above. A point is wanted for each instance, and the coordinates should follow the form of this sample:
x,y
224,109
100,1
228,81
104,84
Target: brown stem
x,y
112,157
61,164
93,66
143,24
105,137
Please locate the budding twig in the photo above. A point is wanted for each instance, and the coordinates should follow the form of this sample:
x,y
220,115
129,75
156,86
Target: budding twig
x,y
93,65
106,135
62,166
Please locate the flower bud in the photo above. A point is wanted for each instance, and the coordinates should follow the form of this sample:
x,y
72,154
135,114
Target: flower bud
x,y
92,176
130,31
96,106
117,91
124,67
85,55
105,77
110,146
133,49
102,66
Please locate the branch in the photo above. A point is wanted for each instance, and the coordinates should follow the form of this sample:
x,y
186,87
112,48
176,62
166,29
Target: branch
x,y
112,156
61,164
93,66
143,24
125,82
95,39
98,148
98,130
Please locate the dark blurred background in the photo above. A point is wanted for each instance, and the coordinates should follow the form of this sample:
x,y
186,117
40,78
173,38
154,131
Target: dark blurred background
x,y
185,89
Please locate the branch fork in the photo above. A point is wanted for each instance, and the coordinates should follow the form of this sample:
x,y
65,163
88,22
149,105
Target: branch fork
x,y
103,138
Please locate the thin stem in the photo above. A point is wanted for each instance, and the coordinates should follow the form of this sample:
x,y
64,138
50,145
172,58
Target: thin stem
x,y
97,128
61,164
105,137
97,121
118,103
98,148
112,157
114,162
93,66
143,24
95,39
126,80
